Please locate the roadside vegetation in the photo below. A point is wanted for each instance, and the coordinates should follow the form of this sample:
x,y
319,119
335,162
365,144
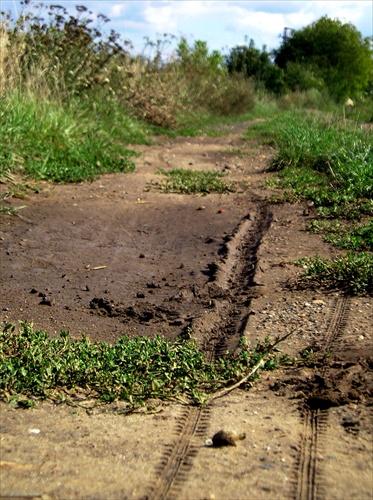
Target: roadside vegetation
x,y
352,273
34,366
327,162
324,160
74,98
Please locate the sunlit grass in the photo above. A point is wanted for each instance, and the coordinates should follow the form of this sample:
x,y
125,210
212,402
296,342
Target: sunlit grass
x,y
321,160
33,365
352,273
352,236
48,141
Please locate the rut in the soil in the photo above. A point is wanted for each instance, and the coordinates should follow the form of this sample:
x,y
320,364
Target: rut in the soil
x,y
231,284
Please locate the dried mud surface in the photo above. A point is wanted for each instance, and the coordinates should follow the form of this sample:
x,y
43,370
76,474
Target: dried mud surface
x,y
117,256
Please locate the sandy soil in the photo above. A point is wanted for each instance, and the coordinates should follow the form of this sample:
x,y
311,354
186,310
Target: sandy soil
x,y
117,256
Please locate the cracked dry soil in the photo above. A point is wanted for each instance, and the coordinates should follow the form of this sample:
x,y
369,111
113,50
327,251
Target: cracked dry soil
x,y
118,256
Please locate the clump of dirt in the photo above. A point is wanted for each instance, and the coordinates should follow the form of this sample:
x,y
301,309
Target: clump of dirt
x,y
332,383
117,256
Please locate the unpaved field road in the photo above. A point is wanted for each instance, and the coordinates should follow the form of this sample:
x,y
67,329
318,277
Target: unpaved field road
x,y
117,256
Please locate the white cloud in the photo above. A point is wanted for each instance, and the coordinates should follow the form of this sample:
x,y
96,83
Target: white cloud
x,y
265,21
171,16
161,18
117,10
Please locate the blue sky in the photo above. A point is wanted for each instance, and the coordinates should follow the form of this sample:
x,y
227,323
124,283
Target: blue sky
x,y
222,24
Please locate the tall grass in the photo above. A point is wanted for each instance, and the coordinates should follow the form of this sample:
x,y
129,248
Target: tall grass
x,y
48,141
338,161
323,159
308,99
72,95
329,162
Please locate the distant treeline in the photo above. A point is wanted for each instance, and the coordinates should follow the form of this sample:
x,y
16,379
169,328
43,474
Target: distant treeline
x,y
57,55
327,54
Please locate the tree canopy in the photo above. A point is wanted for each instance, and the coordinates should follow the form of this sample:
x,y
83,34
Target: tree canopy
x,y
329,52
256,64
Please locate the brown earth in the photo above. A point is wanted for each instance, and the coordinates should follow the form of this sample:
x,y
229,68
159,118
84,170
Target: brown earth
x,y
118,256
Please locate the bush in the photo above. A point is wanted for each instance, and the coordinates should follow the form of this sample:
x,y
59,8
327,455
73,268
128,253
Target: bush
x,y
207,84
66,53
60,57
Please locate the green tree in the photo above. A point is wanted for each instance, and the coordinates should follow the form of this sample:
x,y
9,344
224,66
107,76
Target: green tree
x,y
255,64
329,51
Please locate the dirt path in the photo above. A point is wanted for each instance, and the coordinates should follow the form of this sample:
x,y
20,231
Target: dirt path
x,y
118,256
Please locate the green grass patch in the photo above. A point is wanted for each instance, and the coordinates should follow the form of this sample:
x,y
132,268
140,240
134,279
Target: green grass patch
x,y
357,237
325,162
240,153
209,124
352,273
321,159
133,369
264,130
193,181
63,143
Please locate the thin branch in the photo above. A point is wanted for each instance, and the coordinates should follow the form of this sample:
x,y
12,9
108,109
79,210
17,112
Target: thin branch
x,y
226,390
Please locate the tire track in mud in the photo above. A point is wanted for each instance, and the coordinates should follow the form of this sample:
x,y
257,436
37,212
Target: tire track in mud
x,y
232,286
308,476
338,322
178,457
232,278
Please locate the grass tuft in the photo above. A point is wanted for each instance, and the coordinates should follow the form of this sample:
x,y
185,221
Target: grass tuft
x,y
352,273
357,237
193,181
